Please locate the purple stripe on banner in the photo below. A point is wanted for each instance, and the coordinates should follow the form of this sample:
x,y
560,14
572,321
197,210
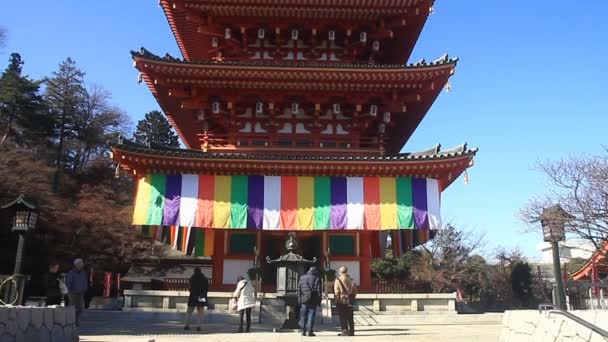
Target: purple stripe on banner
x,y
421,219
255,202
172,199
338,202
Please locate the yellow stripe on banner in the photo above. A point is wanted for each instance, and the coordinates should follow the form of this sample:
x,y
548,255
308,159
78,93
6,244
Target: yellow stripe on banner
x,y
306,203
142,200
388,203
221,206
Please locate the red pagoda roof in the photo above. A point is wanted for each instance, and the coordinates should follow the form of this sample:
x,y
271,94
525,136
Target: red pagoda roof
x,y
402,20
598,258
407,91
445,166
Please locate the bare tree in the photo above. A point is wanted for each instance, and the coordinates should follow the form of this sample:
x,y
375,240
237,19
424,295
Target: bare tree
x,y
580,186
452,257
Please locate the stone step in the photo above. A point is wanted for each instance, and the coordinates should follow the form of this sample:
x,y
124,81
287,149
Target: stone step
x,y
428,319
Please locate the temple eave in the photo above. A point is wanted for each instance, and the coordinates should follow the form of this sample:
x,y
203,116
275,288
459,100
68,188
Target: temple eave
x,y
445,167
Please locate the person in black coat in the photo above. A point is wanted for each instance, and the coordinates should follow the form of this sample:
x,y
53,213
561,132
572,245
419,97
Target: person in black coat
x,y
52,291
309,297
199,286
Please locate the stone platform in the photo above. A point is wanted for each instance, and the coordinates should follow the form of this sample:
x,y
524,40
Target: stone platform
x,y
100,326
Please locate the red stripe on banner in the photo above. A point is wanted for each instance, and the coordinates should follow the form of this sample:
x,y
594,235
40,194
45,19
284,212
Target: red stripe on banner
x,y
204,210
289,202
371,198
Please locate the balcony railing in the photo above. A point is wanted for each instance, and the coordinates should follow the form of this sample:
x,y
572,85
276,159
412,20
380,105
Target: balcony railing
x,y
291,141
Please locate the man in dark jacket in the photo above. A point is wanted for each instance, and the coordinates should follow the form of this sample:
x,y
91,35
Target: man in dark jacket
x,y
309,297
78,284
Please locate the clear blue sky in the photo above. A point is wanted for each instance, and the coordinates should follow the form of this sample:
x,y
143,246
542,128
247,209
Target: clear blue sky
x,y
530,85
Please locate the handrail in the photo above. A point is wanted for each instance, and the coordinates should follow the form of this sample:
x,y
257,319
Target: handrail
x,y
574,318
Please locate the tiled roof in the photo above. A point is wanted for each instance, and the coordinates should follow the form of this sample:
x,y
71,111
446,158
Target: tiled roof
x,y
163,151
443,60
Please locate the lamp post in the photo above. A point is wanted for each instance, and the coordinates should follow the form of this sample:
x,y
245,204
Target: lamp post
x,y
553,220
24,215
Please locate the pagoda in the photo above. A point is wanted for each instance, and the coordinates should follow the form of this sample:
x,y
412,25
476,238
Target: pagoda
x,y
293,115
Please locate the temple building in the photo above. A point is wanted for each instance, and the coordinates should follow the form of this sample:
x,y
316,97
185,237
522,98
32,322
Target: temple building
x,y
293,115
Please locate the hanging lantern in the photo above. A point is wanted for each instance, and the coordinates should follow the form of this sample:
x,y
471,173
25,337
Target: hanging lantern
x,y
331,35
373,110
228,33
336,108
216,107
376,45
363,37
294,34
259,107
261,33
387,117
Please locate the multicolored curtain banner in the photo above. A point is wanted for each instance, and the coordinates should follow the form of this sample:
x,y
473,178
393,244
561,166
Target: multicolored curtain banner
x,y
288,202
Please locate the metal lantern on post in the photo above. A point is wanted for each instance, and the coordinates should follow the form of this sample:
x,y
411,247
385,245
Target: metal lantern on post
x,y
553,220
24,216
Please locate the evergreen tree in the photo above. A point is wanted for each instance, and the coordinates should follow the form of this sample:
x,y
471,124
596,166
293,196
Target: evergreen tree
x,y
22,111
521,283
155,129
65,91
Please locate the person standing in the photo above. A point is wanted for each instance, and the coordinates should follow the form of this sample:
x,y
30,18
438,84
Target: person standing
x,y
345,290
78,284
53,292
309,297
199,286
245,300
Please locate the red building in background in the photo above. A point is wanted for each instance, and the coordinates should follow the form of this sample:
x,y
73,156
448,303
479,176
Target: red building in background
x,y
293,114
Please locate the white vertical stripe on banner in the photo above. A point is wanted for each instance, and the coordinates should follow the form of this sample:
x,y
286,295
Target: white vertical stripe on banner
x,y
189,199
354,206
433,203
272,202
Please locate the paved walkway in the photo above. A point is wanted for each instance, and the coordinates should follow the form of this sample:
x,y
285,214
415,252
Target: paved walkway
x,y
151,327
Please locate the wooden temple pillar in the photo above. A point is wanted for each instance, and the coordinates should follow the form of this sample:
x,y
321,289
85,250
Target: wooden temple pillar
x,y
365,259
218,259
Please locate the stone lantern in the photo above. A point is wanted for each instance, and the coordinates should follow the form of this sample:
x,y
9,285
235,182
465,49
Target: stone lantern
x,y
290,267
24,216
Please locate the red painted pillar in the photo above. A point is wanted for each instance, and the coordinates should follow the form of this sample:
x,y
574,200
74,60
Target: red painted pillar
x,y
218,259
365,262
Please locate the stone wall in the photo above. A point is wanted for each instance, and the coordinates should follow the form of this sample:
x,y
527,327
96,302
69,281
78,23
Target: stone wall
x,y
37,324
532,325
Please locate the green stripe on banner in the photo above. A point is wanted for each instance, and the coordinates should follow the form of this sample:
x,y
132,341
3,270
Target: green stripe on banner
x,y
322,202
405,211
157,199
199,247
238,199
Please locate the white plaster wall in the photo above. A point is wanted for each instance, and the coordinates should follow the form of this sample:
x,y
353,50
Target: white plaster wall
x,y
353,268
234,268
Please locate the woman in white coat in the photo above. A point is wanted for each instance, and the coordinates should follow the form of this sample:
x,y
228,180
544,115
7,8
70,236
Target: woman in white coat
x,y
245,300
